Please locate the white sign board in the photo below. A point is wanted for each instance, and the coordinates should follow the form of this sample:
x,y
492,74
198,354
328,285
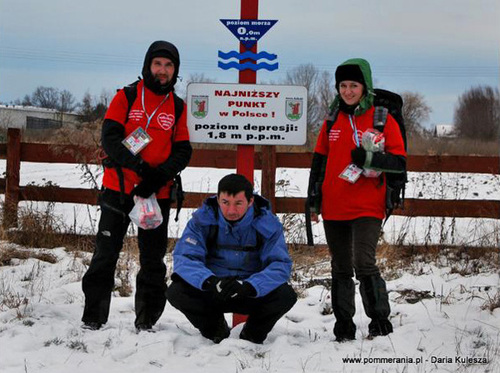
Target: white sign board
x,y
247,114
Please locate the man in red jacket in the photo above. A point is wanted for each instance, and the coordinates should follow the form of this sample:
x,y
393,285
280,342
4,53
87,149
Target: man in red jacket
x,y
146,146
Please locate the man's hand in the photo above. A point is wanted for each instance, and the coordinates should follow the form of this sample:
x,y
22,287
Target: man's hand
x,y
152,181
144,169
227,288
145,189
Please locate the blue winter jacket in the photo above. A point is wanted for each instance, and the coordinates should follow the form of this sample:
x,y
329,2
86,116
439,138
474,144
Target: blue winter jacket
x,y
236,253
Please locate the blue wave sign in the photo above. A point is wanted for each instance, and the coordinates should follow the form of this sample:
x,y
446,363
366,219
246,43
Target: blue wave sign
x,y
247,65
248,31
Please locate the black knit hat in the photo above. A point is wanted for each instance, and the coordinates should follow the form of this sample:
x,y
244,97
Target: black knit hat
x,y
164,53
349,72
160,48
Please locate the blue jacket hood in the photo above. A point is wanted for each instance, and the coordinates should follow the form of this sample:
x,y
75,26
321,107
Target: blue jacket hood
x,y
209,214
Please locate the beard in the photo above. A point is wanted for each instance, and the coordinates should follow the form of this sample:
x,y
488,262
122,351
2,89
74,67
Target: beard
x,y
154,83
158,80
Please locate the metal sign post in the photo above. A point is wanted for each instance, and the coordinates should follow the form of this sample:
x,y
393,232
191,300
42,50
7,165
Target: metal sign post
x,y
245,153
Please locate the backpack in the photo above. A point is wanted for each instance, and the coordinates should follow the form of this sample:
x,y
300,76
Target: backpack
x,y
177,193
385,102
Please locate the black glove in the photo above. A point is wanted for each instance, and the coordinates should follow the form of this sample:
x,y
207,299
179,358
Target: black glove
x,y
358,156
145,189
228,288
152,181
314,198
144,169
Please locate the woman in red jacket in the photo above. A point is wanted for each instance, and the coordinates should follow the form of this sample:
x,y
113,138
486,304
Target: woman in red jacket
x,y
353,198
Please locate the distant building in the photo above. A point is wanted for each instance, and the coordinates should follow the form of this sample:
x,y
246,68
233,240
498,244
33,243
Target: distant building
x,y
445,130
29,117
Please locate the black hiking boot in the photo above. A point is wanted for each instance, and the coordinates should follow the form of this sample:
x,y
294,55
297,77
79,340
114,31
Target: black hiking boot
x,y
344,330
91,325
144,328
220,332
247,336
379,327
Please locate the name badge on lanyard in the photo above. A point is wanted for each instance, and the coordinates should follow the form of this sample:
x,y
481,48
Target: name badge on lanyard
x,y
139,139
352,172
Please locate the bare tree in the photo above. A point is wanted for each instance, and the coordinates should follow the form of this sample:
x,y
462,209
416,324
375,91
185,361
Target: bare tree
x,y
26,101
307,75
325,93
92,109
46,97
50,98
415,112
199,78
193,78
477,114
67,102
106,97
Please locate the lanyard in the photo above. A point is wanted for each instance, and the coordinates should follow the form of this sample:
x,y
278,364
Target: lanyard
x,y
354,130
154,112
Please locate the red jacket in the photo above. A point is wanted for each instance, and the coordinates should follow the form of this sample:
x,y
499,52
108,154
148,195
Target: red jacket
x,y
160,129
341,199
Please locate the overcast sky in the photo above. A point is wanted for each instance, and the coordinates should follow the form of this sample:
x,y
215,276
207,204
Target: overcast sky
x,y
438,48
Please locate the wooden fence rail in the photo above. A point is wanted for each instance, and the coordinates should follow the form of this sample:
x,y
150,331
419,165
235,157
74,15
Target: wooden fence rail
x,y
267,160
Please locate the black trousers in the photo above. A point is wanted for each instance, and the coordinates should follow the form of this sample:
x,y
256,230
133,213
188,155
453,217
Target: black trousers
x,y
353,245
205,312
98,281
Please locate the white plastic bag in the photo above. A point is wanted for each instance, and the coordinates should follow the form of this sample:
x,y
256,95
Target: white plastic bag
x,y
146,213
372,141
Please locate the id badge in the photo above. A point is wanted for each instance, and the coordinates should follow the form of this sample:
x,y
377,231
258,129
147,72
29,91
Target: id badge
x,y
351,173
137,141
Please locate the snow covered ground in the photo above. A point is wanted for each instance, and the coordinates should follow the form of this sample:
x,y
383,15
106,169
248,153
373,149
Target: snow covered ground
x,y
440,312
439,316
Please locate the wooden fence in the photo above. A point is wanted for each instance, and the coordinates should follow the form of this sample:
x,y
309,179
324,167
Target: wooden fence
x,y
267,160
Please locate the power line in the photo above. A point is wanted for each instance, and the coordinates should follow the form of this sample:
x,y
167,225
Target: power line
x,y
106,59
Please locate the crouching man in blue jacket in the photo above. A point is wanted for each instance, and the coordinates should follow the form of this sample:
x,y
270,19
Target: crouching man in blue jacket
x,y
232,257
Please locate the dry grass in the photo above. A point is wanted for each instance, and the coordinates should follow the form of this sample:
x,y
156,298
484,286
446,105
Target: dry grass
x,y
394,260
492,303
43,228
9,253
311,266
37,228
86,134
452,146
